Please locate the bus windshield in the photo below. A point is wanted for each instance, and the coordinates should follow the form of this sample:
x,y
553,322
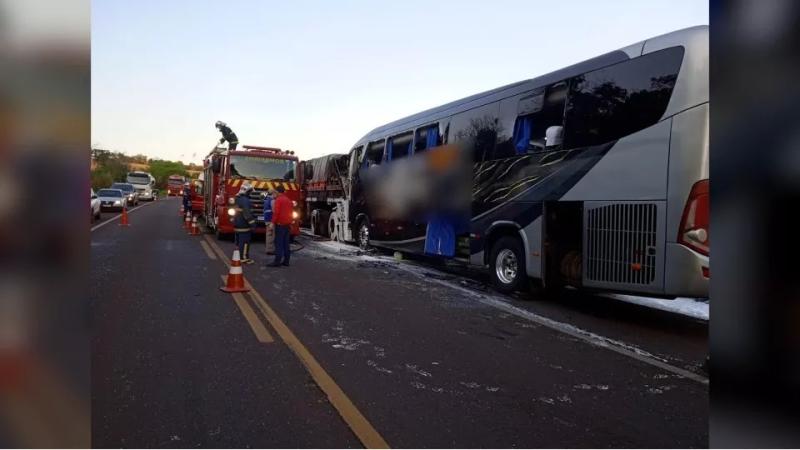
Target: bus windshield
x,y
262,168
175,181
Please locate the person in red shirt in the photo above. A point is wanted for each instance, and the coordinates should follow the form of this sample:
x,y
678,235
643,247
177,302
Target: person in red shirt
x,y
282,219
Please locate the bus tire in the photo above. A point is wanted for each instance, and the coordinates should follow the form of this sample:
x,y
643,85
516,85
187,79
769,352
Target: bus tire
x,y
363,234
507,265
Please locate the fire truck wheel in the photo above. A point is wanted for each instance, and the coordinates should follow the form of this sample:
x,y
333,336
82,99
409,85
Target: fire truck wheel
x,y
222,236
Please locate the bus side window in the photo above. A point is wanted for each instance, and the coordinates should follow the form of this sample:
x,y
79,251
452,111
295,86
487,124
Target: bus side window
x,y
539,113
374,154
427,138
478,129
610,103
398,147
355,159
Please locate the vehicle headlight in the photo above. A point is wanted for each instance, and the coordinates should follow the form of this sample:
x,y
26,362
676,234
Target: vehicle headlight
x,y
231,212
231,201
294,203
295,214
117,202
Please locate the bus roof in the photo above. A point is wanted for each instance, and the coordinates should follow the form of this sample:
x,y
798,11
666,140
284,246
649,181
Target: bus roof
x,y
679,37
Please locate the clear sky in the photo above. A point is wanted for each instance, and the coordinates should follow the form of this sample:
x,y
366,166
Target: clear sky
x,y
315,76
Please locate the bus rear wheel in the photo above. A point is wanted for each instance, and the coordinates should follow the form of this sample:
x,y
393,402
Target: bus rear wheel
x,y
507,263
363,234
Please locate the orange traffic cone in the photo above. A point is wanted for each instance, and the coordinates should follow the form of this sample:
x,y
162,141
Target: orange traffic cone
x,y
187,223
235,282
123,219
195,230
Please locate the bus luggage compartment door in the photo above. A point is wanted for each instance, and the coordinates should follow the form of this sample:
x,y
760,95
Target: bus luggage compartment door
x,y
623,245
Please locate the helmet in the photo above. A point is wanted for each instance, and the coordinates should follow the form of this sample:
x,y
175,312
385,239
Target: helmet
x,y
219,124
246,187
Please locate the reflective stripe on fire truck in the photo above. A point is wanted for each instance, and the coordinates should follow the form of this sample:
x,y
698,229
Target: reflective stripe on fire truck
x,y
266,184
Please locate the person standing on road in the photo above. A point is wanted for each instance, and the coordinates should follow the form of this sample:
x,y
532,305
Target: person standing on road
x,y
269,236
281,218
227,135
187,198
243,222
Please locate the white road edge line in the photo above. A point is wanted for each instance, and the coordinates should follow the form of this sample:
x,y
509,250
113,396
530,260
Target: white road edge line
x,y
117,216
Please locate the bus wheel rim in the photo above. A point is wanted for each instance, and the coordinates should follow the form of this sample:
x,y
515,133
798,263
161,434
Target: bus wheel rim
x,y
506,266
364,235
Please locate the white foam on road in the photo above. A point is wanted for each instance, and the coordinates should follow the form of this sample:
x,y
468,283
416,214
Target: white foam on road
x,y
343,251
691,307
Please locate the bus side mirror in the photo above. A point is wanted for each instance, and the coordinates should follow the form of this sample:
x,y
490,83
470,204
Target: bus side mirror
x,y
309,172
216,164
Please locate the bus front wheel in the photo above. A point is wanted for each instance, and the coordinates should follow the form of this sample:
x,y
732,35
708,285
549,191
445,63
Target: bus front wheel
x,y
507,264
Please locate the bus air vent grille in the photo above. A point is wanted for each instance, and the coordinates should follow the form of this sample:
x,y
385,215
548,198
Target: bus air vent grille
x,y
621,243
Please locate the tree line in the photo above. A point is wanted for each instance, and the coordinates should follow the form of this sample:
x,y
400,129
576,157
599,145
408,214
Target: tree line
x,y
109,167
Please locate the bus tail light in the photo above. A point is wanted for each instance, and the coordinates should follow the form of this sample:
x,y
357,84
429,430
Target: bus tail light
x,y
693,232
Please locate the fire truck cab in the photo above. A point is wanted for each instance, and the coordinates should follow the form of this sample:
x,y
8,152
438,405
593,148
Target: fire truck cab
x,y
175,185
265,168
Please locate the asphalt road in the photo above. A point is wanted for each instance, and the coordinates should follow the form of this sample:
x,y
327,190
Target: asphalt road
x,y
363,350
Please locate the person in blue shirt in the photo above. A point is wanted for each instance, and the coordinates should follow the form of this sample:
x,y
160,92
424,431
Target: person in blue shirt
x,y
243,222
269,236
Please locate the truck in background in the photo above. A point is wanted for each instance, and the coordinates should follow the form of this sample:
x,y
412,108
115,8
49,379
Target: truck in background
x,y
144,183
265,168
175,185
326,189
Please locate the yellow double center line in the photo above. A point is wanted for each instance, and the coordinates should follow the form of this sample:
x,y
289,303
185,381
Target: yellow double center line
x,y
365,432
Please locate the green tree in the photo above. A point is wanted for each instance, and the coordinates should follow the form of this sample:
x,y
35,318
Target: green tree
x,y
101,178
161,170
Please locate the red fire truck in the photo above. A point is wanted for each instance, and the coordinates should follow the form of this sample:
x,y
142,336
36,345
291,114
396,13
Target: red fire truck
x,y
265,168
196,187
175,185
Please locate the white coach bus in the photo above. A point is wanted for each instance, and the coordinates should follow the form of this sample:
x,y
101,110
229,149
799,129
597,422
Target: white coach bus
x,y
594,176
